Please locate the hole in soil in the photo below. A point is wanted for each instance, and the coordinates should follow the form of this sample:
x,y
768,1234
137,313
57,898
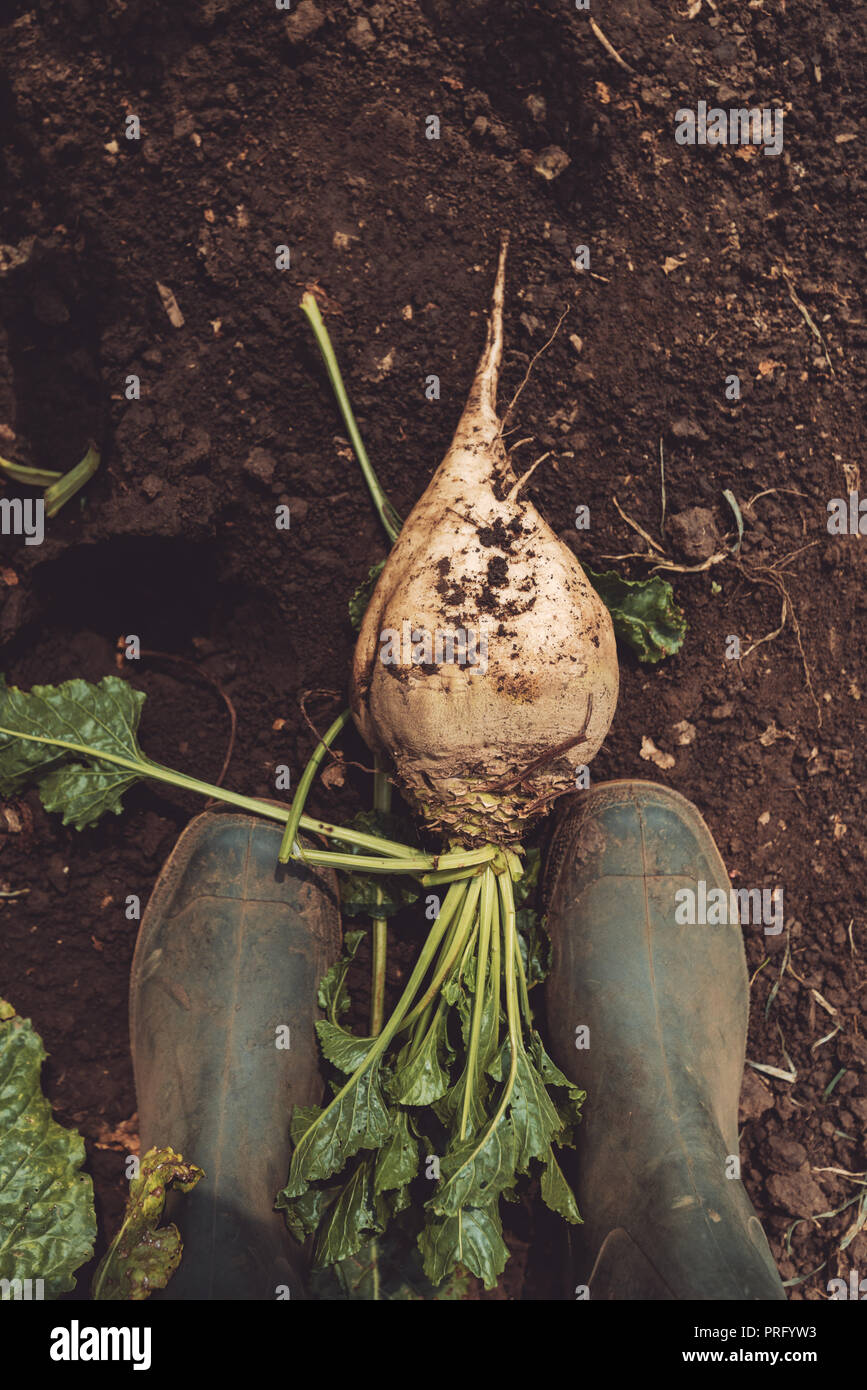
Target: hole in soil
x,y
163,590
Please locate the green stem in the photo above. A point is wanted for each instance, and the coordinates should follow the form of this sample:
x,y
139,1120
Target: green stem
x,y
419,1032
420,969
450,875
59,493
381,803
145,768
507,909
447,960
522,981
288,843
451,910
33,477
405,859
387,515
486,913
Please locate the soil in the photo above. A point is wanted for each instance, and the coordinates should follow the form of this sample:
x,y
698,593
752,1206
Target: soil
x,y
308,131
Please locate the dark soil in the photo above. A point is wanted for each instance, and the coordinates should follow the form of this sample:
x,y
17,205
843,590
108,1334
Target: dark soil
x,y
704,262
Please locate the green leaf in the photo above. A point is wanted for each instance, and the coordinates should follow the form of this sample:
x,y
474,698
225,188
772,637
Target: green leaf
x,y
556,1192
526,886
144,1255
534,945
421,1078
473,1239
389,1272
333,995
363,594
397,1163
450,1108
357,1120
551,1073
302,1118
103,716
644,613
533,1114
303,1214
341,1047
47,1222
475,1171
351,1220
569,1105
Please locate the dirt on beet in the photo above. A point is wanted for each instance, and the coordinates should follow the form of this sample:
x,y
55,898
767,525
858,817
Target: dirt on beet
x,y
376,151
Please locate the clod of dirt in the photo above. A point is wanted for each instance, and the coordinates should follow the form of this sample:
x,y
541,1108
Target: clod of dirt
x,y
795,1192
259,464
785,1155
693,533
551,163
360,34
537,107
304,23
756,1097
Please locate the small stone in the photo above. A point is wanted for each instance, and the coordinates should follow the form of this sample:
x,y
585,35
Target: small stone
x,y
304,23
551,163
684,428
360,34
577,343
184,125
481,125
151,485
724,711
537,107
342,241
685,732
259,464
650,753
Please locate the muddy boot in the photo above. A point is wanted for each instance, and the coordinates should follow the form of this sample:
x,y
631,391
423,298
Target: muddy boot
x,y
230,952
656,1175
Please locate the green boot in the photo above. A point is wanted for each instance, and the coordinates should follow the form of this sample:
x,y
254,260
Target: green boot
x,y
656,1171
230,952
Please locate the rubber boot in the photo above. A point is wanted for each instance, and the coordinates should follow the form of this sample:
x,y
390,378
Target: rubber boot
x,y
656,1172
230,952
